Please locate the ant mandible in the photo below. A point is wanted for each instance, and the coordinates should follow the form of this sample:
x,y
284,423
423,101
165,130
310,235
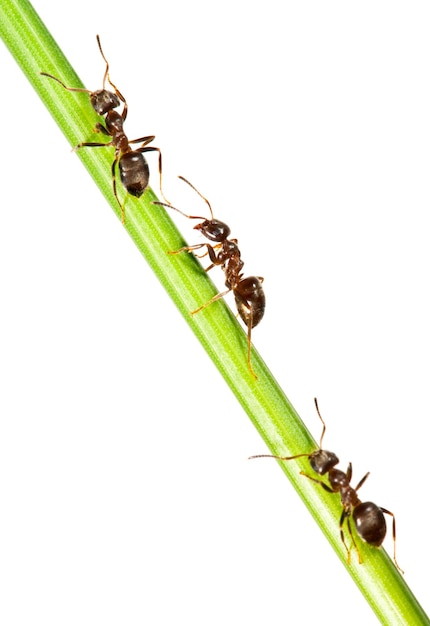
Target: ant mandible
x,y
248,292
368,518
132,165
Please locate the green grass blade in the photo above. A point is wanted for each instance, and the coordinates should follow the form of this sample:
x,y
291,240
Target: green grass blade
x,y
216,327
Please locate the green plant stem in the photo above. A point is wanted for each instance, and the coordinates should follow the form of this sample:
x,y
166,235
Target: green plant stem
x,y
216,327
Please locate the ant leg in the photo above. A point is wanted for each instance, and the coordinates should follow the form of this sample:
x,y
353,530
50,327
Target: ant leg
x,y
209,251
121,206
86,144
144,141
344,515
188,249
99,128
212,255
214,299
394,538
362,481
360,560
249,345
319,482
354,543
246,313
145,148
197,246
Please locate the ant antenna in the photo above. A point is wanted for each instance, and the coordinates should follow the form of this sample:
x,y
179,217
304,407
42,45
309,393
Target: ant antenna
x,y
106,61
191,217
107,71
170,206
323,422
200,194
65,86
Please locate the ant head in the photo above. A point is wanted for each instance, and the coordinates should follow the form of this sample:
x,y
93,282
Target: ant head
x,y
104,101
101,100
214,230
323,461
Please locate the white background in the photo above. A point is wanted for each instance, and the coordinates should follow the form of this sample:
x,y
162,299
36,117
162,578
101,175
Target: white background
x,y
126,494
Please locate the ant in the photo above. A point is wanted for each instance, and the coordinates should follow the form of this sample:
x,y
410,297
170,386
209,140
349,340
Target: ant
x,y
132,165
368,518
248,292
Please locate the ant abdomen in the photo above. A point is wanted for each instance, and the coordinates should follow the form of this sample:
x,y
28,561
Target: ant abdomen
x,y
250,299
134,172
370,523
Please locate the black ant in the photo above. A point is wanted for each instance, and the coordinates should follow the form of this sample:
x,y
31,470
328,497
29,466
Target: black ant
x,y
132,165
368,518
248,292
